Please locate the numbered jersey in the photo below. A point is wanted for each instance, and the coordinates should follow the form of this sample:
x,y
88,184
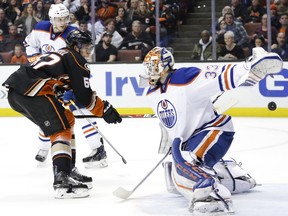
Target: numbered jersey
x,y
42,40
183,103
65,69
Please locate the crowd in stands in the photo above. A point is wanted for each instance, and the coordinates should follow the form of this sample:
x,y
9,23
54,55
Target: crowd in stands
x,y
243,25
119,24
131,25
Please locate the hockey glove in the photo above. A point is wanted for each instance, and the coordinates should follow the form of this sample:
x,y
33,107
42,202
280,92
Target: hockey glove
x,y
110,114
68,95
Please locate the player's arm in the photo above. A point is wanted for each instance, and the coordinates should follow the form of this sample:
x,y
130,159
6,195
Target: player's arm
x,y
79,78
216,80
32,46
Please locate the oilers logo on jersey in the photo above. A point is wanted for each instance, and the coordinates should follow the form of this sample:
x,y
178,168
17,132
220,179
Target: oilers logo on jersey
x,y
167,113
46,48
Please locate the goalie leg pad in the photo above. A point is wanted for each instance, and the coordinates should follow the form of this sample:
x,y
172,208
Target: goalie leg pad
x,y
190,179
168,178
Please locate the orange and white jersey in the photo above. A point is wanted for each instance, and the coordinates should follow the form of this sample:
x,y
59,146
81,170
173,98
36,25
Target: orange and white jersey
x,y
43,40
183,102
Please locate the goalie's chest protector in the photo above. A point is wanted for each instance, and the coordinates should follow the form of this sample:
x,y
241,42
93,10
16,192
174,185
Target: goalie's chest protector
x,y
178,104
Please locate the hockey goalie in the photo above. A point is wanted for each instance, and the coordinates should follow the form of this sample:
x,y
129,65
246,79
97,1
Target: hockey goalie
x,y
197,136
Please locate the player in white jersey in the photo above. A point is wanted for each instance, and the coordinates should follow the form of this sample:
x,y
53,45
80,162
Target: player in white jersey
x,y
48,36
195,134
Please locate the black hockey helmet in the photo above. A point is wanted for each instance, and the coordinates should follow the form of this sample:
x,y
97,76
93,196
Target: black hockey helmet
x,y
78,38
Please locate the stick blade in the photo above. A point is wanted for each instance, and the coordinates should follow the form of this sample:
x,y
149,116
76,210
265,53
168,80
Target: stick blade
x,y
122,193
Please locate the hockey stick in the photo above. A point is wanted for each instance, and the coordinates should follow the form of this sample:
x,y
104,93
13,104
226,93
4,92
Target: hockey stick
x,y
122,116
124,194
97,129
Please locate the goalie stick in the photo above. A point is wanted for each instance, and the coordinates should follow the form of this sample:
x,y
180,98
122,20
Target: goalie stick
x,y
101,134
125,194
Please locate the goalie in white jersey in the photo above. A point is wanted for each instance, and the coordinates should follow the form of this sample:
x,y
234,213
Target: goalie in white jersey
x,y
49,36
197,136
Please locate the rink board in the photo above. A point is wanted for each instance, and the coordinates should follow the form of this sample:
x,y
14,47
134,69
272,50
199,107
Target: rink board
x,y
119,84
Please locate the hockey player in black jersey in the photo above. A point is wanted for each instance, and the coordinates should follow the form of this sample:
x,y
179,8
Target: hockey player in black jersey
x,y
34,92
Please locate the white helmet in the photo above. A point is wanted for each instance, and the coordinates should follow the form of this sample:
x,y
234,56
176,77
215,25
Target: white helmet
x,y
58,10
157,60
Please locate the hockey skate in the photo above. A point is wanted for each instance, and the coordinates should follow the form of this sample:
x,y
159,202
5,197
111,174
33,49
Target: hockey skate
x,y
41,155
96,159
66,187
75,174
234,177
211,207
262,63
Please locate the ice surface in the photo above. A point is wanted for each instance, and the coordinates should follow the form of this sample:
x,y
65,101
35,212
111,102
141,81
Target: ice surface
x,y
261,144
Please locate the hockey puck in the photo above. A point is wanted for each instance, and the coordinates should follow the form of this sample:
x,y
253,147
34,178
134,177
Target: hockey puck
x,y
272,106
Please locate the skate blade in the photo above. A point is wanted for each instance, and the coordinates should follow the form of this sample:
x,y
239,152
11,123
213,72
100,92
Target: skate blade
x,y
89,185
96,164
61,193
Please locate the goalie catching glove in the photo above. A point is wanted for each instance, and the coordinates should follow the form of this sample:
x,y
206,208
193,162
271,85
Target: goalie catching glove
x,y
110,114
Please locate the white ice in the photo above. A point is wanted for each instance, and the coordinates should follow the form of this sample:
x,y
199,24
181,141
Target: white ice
x,y
261,144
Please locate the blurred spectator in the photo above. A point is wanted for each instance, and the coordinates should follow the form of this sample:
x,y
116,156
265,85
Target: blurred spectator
x,y
203,50
255,12
105,51
122,25
4,4
168,22
12,38
110,28
231,51
4,22
219,29
240,11
73,20
146,17
83,12
132,6
72,5
220,32
83,26
274,16
13,10
39,10
282,6
106,10
226,9
2,42
99,27
283,20
47,4
263,30
137,39
240,35
258,41
19,56
1,59
281,48
27,20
